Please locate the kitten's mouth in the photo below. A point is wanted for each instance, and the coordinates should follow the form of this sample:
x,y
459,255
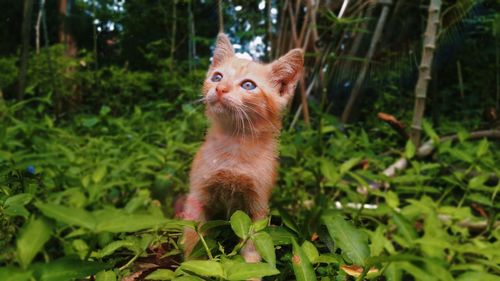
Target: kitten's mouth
x,y
221,107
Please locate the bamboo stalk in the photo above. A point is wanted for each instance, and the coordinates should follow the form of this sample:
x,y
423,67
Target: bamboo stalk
x,y
298,44
346,115
173,37
25,35
37,26
425,70
221,16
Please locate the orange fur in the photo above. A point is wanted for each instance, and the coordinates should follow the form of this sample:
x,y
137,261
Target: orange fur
x,y
235,168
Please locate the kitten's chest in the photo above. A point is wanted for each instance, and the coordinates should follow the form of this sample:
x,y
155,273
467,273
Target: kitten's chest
x,y
237,156
254,161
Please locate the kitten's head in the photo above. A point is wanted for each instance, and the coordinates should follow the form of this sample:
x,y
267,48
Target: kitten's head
x,y
248,97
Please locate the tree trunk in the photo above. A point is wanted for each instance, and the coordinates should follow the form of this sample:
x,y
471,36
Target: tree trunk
x,y
425,70
174,34
64,36
25,35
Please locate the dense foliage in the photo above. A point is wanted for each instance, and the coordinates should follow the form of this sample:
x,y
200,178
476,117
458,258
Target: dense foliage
x,y
94,159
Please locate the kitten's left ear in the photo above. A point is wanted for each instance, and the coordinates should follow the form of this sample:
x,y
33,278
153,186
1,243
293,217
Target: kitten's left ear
x,y
286,71
223,50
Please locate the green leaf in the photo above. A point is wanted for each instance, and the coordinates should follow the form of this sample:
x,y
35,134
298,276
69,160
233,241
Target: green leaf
x,y
310,251
66,268
410,150
393,273
119,220
99,174
212,224
280,235
260,224
482,149
244,271
288,220
105,275
31,240
348,165
14,274
16,210
476,275
240,223
160,274
300,263
71,216
430,132
115,245
188,278
352,241
404,227
19,199
264,245
328,258
203,268
392,199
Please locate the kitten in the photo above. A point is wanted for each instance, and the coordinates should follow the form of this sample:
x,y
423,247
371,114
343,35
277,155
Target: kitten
x,y
235,169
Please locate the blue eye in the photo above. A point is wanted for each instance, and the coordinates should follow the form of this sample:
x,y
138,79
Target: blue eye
x,y
248,85
216,77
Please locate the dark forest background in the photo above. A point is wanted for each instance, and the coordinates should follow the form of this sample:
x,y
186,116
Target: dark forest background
x,y
389,159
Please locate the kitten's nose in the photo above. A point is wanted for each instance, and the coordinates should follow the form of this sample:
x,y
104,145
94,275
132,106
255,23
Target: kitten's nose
x,y
221,90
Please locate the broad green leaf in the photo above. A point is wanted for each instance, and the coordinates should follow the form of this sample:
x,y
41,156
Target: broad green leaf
x,y
300,263
393,273
81,248
482,148
31,240
118,220
260,224
353,242
14,274
310,250
404,227
16,210
244,271
264,245
410,150
71,216
212,224
240,223
99,174
429,131
19,199
288,220
105,275
349,164
417,272
188,278
115,245
161,274
280,235
392,199
66,268
204,268
477,275
328,258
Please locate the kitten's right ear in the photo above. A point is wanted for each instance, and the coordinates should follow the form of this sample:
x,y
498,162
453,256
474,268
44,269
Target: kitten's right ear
x,y
223,50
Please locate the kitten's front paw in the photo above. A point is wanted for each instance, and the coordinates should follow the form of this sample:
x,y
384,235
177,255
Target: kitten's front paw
x,y
189,240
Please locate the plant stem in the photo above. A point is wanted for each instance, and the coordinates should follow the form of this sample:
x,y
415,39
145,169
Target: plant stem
x,y
205,246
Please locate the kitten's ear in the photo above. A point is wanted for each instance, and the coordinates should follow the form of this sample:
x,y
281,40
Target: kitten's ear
x,y
223,50
286,71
